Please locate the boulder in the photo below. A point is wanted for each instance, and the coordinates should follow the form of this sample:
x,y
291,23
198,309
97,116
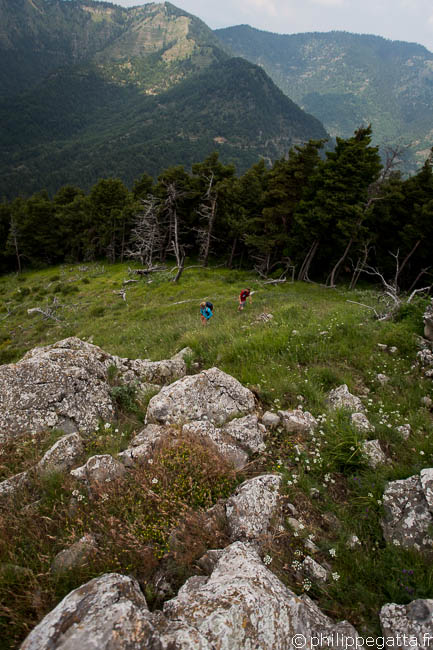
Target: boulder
x,y
408,510
143,445
413,621
98,471
106,613
361,422
211,395
12,485
62,455
226,446
341,398
314,570
65,386
382,378
75,556
404,430
252,507
373,451
271,420
242,606
298,421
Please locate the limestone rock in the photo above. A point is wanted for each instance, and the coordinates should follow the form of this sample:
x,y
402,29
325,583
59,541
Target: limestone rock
x,y
314,570
226,446
12,485
373,451
244,606
66,381
413,620
425,358
210,559
408,513
143,445
75,556
341,398
106,613
62,455
211,395
271,420
404,430
382,378
361,422
252,507
99,470
298,421
65,385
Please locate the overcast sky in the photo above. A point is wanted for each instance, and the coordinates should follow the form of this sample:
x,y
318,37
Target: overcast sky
x,y
404,20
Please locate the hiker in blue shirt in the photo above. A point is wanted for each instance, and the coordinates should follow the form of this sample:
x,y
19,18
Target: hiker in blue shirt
x,y
205,312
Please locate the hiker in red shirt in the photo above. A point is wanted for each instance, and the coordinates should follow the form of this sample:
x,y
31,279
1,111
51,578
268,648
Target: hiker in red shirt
x,y
244,294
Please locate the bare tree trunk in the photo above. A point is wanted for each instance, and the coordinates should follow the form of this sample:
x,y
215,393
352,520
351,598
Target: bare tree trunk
x,y
420,274
358,269
340,262
232,253
408,256
14,235
303,273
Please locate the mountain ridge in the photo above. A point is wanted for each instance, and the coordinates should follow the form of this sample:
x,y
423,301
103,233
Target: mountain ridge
x,y
121,113
346,80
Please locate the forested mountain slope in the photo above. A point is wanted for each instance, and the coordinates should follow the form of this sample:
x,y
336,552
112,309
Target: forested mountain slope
x,y
95,90
346,80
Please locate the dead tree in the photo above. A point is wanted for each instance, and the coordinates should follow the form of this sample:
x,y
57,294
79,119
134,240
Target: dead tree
x,y
392,297
175,245
49,311
207,211
146,239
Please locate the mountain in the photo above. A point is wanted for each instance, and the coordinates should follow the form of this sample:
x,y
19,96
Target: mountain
x,y
97,90
346,80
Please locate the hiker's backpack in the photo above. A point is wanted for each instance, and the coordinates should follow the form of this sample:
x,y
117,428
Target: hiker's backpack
x,y
209,305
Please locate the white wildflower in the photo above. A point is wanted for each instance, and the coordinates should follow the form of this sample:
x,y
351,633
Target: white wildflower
x,y
267,560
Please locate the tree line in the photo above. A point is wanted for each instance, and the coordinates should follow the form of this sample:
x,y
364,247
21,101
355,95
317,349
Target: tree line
x,y
324,217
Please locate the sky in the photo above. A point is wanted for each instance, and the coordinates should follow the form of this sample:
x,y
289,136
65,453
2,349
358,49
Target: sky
x,y
404,20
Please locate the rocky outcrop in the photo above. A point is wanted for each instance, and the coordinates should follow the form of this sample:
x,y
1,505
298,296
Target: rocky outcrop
x,y
413,620
211,395
408,506
63,455
298,421
252,507
143,445
65,385
59,458
373,453
235,441
77,555
242,605
98,471
361,422
341,398
106,613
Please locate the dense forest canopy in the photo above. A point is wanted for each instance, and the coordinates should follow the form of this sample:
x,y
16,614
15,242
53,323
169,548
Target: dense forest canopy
x,y
322,215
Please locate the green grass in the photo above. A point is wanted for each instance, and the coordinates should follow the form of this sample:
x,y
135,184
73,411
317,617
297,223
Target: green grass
x,y
315,341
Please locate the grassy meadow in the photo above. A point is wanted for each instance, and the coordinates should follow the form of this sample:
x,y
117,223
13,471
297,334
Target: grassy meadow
x,y
315,341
